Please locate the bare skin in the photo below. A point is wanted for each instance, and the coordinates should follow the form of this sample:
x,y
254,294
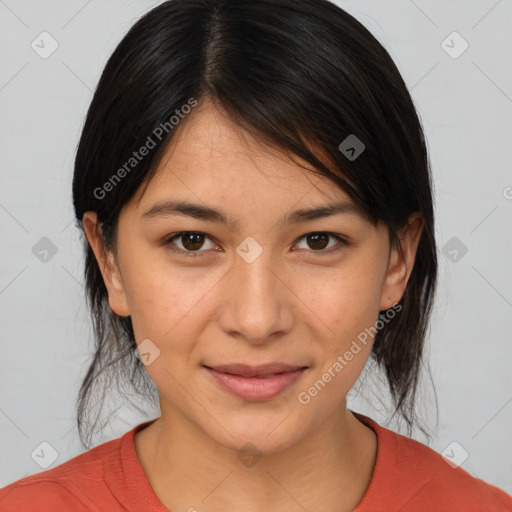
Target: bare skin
x,y
295,303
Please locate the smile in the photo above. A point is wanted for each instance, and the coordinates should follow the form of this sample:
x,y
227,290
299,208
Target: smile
x,y
255,383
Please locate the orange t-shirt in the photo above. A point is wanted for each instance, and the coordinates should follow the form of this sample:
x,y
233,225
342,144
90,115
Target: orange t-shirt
x,y
408,477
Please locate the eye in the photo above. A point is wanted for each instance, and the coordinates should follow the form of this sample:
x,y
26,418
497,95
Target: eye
x,y
319,240
190,241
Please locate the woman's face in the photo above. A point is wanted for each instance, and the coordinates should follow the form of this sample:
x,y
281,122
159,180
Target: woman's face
x,y
252,291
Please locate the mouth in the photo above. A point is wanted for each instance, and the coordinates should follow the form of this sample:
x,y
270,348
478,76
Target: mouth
x,y
256,383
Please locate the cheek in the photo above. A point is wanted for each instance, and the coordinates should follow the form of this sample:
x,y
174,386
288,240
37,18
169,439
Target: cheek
x,y
350,301
166,301
349,305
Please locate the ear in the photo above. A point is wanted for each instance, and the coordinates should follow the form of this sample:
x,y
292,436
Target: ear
x,y
400,268
107,264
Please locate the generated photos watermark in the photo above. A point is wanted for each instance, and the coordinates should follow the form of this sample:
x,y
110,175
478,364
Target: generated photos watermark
x,y
144,150
304,397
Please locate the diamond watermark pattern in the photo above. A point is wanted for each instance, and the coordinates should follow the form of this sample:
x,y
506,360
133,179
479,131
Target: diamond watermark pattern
x,y
454,45
249,455
147,352
351,147
249,249
44,45
454,454
44,455
454,250
44,250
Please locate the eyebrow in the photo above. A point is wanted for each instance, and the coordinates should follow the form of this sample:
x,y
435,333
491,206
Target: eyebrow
x,y
201,212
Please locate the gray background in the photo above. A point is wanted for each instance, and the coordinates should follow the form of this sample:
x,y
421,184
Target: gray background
x,y
465,105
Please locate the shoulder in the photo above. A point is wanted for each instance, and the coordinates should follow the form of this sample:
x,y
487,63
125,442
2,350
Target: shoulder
x,y
44,495
78,484
432,478
412,477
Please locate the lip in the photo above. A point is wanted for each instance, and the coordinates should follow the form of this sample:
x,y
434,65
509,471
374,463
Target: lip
x,y
254,383
262,370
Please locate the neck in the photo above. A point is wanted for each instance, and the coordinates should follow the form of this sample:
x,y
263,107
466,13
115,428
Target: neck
x,y
187,469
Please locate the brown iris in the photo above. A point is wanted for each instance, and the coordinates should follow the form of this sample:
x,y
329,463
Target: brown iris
x,y
317,240
192,241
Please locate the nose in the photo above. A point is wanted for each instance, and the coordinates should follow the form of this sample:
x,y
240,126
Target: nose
x,y
257,305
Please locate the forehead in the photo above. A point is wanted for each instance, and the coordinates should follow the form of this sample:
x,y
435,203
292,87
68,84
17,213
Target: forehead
x,y
215,171
212,161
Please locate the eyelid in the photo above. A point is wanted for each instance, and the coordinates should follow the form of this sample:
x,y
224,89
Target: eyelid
x,y
342,242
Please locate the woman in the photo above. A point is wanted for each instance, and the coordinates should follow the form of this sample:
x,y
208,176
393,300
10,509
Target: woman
x,y
253,185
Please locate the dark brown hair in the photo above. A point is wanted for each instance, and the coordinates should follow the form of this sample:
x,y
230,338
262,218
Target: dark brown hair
x,y
299,74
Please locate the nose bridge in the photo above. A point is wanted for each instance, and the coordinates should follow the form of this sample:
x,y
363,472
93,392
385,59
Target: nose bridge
x,y
253,268
255,309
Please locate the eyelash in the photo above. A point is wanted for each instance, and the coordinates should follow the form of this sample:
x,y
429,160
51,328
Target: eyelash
x,y
195,254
